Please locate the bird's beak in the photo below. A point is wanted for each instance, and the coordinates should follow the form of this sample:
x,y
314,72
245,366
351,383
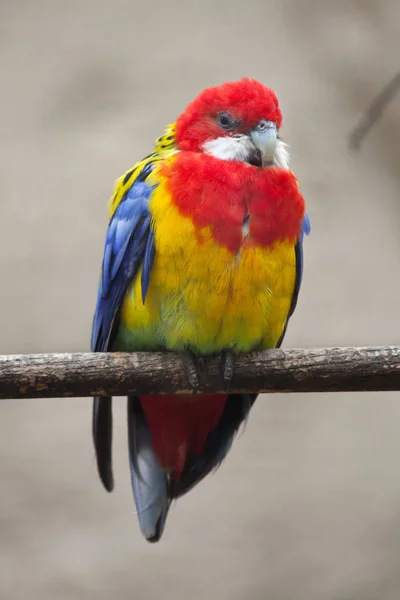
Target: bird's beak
x,y
265,140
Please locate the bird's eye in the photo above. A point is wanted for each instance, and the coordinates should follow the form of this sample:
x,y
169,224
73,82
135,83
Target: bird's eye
x,y
225,121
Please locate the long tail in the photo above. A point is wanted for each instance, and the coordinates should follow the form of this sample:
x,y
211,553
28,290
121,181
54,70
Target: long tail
x,y
174,443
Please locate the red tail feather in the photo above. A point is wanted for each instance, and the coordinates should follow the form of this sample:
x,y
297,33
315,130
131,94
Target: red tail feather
x,y
180,424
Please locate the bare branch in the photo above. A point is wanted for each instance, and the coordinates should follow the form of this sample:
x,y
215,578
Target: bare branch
x,y
314,370
374,111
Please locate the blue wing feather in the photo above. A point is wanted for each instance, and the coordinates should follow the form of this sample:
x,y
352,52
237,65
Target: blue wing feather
x,y
305,230
147,262
129,244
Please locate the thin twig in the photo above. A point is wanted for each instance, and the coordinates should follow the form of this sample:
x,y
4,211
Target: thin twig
x,y
374,111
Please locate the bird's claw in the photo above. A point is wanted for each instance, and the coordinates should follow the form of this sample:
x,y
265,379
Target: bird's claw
x,y
193,364
228,368
189,361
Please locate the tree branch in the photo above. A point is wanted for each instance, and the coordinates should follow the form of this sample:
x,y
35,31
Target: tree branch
x,y
314,370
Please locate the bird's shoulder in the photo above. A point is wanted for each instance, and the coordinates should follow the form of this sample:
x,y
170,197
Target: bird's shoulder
x,y
164,148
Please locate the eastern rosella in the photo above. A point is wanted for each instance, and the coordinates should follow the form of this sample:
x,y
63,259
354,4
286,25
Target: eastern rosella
x,y
203,255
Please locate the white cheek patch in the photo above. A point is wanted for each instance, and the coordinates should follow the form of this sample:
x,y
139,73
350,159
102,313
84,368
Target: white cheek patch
x,y
282,156
239,148
229,148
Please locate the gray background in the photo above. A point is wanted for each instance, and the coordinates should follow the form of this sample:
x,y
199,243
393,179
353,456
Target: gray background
x,y
307,506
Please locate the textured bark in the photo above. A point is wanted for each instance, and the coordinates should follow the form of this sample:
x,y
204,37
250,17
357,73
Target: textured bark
x,y
295,370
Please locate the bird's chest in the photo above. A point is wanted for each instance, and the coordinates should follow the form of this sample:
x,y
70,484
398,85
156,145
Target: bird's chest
x,y
212,251
236,204
211,297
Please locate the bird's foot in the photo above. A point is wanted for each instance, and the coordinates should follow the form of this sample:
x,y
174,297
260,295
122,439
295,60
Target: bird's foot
x,y
192,366
227,367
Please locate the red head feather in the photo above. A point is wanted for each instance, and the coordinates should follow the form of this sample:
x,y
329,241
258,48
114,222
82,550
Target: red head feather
x,y
247,100
219,193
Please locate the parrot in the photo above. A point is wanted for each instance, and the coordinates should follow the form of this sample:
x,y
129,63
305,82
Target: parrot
x,y
203,256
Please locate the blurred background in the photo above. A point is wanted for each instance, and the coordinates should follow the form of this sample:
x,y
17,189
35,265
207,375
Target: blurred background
x,y
307,505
